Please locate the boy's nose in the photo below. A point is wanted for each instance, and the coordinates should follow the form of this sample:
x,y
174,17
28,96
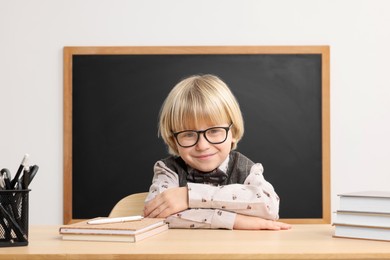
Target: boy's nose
x,y
202,142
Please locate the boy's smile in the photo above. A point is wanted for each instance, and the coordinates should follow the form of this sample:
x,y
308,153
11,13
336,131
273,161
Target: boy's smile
x,y
205,156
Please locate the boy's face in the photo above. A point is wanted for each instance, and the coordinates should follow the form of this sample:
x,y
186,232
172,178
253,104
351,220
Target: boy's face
x,y
205,156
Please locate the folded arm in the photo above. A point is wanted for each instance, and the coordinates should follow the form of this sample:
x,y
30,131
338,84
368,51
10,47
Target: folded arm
x,y
205,206
255,197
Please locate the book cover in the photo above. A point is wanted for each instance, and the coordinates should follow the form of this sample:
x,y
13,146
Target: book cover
x,y
368,193
362,232
115,238
366,201
119,228
362,218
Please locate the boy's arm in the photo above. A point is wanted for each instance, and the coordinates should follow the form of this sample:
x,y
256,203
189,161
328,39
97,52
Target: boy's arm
x,y
256,223
163,179
202,218
255,197
166,194
166,187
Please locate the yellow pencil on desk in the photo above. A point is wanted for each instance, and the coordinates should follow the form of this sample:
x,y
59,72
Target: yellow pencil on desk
x,y
114,220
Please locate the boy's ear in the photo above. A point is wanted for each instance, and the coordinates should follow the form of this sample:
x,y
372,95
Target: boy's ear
x,y
234,141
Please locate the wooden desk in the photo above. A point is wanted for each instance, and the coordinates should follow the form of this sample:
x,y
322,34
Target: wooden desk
x,y
301,242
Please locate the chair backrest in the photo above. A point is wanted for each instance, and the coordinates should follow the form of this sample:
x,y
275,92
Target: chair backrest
x,y
130,205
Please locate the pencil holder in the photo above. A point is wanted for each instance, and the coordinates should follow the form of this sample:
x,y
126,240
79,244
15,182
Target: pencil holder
x,y
14,218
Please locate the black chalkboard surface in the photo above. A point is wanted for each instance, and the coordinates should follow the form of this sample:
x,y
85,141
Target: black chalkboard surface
x,y
112,100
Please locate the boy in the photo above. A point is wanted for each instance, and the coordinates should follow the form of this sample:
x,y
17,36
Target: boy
x,y
205,183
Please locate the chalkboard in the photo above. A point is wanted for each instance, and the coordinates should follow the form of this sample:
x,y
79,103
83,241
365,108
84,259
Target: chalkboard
x,y
112,98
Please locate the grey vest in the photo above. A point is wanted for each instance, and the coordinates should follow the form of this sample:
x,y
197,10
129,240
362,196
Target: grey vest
x,y
238,168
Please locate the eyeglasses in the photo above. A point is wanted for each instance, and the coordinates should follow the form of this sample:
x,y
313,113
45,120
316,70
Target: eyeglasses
x,y
213,135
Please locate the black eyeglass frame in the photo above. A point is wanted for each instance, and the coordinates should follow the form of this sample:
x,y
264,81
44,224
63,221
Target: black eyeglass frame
x,y
226,128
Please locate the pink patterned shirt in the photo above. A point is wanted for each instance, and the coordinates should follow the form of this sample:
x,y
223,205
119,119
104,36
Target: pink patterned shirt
x,y
216,206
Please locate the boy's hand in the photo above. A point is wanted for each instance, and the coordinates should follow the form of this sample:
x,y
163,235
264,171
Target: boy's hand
x,y
167,203
256,223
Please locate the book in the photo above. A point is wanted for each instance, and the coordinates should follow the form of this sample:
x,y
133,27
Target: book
x,y
362,232
362,218
130,231
366,201
115,238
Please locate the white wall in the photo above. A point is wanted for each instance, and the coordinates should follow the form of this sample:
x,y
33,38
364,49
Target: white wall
x,y
33,33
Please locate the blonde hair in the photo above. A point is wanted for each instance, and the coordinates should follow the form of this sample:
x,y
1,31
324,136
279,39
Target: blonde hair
x,y
195,100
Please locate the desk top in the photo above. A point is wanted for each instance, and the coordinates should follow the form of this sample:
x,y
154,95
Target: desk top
x,y
301,242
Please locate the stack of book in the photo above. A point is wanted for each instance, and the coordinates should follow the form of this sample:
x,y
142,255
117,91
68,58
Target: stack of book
x,y
129,231
364,215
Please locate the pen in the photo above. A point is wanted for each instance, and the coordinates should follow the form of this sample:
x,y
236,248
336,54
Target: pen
x,y
21,167
26,177
114,220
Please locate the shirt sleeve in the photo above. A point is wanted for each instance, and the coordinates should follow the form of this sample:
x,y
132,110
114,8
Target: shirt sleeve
x,y
256,197
163,179
202,218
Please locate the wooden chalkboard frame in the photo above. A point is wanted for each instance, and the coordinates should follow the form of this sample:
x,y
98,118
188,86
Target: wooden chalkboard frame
x,y
167,50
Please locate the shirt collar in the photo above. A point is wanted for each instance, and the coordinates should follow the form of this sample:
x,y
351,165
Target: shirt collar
x,y
224,165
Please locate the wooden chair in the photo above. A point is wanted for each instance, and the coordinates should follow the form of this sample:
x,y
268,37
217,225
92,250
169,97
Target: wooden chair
x,y
130,205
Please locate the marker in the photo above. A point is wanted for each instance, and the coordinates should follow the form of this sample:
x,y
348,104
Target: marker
x,y
33,171
114,220
21,167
